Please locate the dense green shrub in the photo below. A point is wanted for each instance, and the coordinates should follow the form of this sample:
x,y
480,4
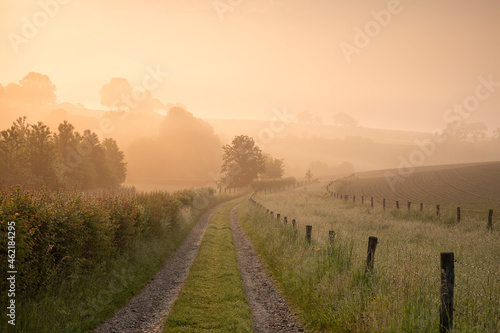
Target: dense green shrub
x,y
63,233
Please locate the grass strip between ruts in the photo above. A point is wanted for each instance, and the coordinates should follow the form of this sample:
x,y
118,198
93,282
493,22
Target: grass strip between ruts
x,y
213,297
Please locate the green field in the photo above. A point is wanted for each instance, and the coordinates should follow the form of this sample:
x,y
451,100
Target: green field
x,y
329,285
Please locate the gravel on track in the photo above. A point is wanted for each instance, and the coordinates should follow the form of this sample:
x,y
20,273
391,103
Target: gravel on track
x,y
146,311
270,311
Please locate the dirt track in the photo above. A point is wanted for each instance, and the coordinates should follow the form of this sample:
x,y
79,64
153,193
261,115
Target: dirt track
x,y
270,311
146,311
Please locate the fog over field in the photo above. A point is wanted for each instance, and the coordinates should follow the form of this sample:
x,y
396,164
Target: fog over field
x,y
327,86
222,165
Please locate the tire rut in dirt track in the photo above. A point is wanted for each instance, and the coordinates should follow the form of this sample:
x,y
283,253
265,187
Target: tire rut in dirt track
x,y
146,311
270,311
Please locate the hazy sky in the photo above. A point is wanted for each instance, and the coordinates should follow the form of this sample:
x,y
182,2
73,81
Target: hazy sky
x,y
265,54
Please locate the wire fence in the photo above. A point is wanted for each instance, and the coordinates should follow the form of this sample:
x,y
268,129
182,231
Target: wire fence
x,y
457,212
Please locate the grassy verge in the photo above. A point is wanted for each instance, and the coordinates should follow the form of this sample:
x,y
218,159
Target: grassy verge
x,y
87,297
330,287
213,297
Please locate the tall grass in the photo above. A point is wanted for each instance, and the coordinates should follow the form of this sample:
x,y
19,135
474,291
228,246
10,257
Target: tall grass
x,y
330,286
80,258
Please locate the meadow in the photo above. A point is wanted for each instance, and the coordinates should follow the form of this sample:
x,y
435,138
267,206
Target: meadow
x,y
332,290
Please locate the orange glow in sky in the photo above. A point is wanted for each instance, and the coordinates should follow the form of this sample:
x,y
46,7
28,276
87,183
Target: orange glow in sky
x,y
388,64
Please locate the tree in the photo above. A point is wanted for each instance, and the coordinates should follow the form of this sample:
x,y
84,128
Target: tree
x,y
114,159
343,119
186,148
42,154
242,162
14,158
37,88
14,92
274,168
117,94
309,175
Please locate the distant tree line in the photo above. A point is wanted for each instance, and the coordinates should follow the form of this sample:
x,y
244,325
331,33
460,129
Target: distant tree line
x,y
32,156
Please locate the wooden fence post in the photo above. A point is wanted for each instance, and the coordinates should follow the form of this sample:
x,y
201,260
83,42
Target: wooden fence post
x,y
458,214
397,204
278,217
372,246
293,223
331,235
308,233
438,210
421,207
409,205
362,200
272,214
447,286
346,197
372,202
490,219
383,203
285,219
353,199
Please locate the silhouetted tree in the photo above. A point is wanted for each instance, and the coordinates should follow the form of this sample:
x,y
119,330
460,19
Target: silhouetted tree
x,y
274,168
242,162
14,91
309,175
114,159
37,88
42,153
117,94
14,159
186,148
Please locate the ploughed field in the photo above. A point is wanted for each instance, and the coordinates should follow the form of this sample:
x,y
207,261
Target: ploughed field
x,y
473,187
